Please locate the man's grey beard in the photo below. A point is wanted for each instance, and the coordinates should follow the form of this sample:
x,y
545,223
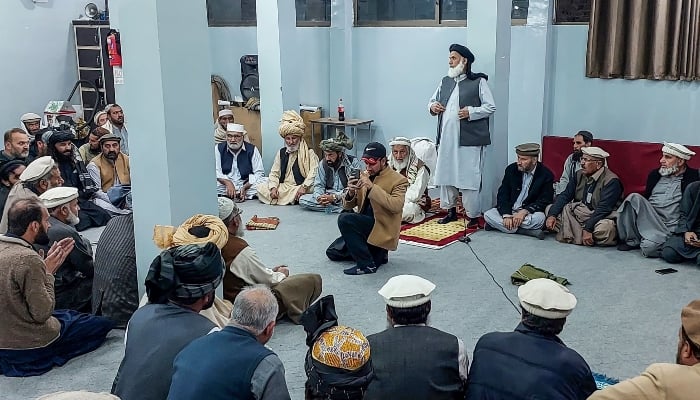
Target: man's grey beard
x,y
666,171
240,232
399,165
454,72
72,219
292,149
235,146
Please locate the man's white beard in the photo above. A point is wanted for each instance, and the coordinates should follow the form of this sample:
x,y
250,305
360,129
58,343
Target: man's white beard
x,y
234,146
454,72
399,165
668,170
240,232
72,219
292,149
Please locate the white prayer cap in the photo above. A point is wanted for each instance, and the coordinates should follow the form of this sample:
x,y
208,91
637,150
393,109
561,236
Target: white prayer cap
x,y
225,111
227,208
546,298
400,140
37,168
595,152
58,196
29,117
677,150
405,291
235,128
80,395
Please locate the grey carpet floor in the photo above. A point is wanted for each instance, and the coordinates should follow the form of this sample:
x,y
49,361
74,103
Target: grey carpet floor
x,y
627,316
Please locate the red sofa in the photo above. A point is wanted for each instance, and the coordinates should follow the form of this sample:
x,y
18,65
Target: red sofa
x,y
631,161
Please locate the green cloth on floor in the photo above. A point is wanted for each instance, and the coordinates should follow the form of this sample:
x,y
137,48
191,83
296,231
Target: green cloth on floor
x,y
528,272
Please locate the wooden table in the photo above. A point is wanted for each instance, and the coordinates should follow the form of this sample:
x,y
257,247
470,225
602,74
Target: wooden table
x,y
351,123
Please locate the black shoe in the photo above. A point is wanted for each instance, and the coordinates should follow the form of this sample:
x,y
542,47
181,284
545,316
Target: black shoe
x,y
536,233
473,223
450,217
623,246
488,227
357,270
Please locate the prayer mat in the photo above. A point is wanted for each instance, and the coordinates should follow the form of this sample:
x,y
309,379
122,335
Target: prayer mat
x,y
432,235
435,207
262,223
603,381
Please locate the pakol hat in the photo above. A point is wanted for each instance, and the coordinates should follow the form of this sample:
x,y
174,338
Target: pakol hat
x,y
677,150
528,149
405,291
595,152
110,137
547,299
37,168
463,51
58,196
690,320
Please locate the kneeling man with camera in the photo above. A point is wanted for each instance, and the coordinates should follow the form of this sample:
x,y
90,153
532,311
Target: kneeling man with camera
x,y
377,199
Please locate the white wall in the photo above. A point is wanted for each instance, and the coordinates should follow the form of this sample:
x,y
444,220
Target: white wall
x,y
640,110
38,55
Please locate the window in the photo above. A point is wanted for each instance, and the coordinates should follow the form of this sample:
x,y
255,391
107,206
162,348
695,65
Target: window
x,y
518,13
423,12
242,12
572,11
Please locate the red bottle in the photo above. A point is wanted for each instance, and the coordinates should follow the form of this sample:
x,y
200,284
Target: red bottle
x,y
341,110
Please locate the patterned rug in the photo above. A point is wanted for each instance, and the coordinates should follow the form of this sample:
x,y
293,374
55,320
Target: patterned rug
x,y
431,235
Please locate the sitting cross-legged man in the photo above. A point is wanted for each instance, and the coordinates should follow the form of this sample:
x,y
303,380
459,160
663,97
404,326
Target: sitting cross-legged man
x,y
34,336
411,359
239,165
404,160
294,293
373,230
524,194
645,221
684,245
73,280
180,283
584,213
531,362
294,169
111,172
332,176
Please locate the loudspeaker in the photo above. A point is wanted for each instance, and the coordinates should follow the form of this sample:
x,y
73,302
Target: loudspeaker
x,y
250,86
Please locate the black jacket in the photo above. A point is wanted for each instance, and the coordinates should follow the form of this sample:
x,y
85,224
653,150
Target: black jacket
x,y
526,364
539,196
689,176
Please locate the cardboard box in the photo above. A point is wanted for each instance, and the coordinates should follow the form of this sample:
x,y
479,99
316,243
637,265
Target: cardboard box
x,y
307,116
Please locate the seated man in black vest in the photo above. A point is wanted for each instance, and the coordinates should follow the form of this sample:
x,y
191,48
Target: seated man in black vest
x,y
180,283
332,176
239,165
294,171
412,360
526,190
532,362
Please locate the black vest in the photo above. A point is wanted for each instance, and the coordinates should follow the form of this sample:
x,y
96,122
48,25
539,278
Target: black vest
x,y
414,362
245,164
157,332
284,161
342,173
471,133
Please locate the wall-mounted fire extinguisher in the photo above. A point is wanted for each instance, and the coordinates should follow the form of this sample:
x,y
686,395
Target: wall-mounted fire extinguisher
x,y
114,48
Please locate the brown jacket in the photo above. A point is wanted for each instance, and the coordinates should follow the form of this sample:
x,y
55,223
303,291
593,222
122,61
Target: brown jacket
x,y
121,165
27,297
659,381
387,198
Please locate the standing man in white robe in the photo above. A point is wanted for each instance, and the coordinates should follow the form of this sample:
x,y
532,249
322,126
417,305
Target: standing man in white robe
x,y
463,103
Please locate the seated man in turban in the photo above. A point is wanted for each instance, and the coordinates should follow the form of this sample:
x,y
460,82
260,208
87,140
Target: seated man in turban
x,y
180,283
294,293
684,245
332,176
645,221
225,118
584,213
338,363
294,170
526,190
403,160
533,361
